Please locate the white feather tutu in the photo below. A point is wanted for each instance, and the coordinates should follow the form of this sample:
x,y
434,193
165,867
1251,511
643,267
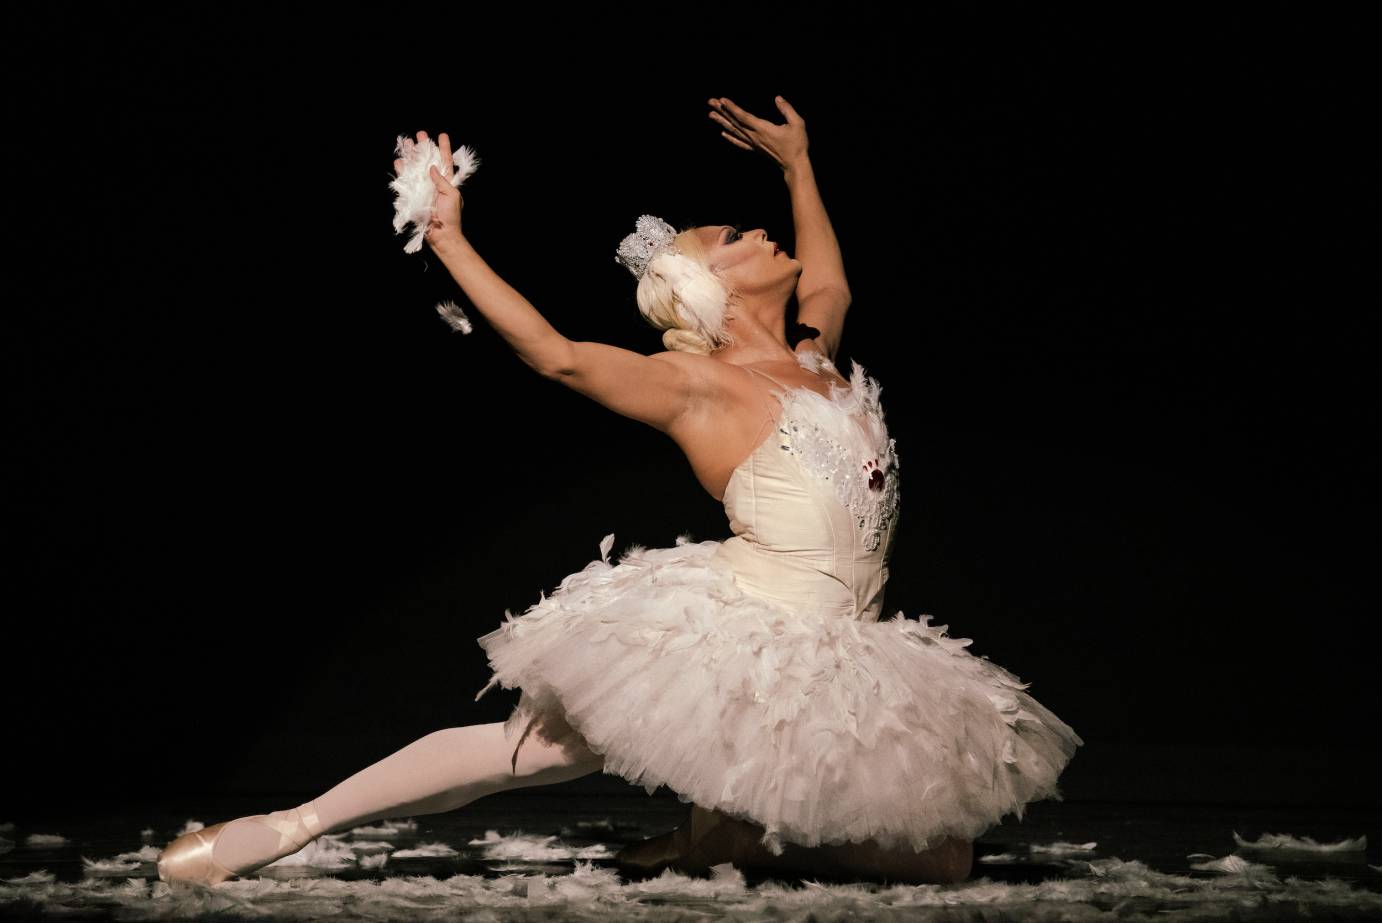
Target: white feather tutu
x,y
822,729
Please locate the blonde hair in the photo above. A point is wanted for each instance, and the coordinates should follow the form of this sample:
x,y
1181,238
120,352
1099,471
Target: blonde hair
x,y
681,296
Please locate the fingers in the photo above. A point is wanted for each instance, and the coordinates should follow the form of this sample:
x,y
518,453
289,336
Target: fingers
x,y
448,166
741,115
734,129
725,117
787,110
735,133
736,141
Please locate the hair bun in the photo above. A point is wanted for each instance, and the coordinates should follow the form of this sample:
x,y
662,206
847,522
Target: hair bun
x,y
680,296
685,341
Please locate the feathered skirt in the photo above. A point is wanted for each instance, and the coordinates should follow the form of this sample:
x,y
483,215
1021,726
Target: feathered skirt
x,y
821,729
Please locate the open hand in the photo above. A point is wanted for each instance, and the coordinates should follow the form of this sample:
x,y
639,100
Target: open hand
x,y
785,144
446,210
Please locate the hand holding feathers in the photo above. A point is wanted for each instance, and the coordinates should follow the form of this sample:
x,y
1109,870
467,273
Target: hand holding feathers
x,y
427,189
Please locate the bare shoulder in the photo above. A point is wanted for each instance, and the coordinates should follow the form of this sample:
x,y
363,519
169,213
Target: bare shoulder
x,y
711,381
720,403
720,422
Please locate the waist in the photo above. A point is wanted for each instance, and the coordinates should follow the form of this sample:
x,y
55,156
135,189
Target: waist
x,y
798,582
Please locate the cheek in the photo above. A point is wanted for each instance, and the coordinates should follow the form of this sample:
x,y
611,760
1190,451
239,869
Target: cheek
x,y
731,262
753,262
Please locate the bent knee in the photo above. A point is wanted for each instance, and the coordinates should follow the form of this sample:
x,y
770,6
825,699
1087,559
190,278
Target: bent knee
x,y
948,862
549,746
958,860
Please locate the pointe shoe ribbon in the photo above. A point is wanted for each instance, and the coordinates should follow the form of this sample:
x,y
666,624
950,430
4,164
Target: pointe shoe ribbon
x,y
296,833
189,857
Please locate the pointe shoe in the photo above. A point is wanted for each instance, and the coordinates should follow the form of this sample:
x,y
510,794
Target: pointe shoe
x,y
189,857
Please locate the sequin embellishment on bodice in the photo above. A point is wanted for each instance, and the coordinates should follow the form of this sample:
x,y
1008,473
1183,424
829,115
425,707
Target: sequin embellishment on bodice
x,y
861,468
814,506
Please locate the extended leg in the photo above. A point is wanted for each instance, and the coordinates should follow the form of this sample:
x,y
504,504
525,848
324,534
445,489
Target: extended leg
x,y
453,767
439,772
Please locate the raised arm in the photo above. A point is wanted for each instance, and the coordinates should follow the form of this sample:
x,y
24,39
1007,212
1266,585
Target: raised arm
x,y
823,294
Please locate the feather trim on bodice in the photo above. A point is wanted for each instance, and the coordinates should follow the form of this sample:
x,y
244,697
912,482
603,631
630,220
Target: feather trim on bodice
x,y
842,442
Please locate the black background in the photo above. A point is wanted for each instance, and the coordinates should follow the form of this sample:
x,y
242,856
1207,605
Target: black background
x,y
1106,264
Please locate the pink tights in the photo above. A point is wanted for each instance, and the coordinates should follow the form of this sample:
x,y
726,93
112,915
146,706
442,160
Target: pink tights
x,y
439,772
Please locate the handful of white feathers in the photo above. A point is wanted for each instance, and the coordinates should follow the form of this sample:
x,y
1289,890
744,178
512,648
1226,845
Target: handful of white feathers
x,y
415,195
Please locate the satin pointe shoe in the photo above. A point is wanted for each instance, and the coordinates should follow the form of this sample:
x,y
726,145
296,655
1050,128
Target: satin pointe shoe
x,y
189,857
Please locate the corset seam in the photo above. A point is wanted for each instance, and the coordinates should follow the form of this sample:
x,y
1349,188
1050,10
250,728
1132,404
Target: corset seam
x,y
854,586
817,451
835,563
753,494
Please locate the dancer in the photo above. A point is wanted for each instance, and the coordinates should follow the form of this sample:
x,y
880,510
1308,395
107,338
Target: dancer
x,y
752,676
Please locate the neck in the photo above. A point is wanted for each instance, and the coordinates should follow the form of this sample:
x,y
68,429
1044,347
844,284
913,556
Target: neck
x,y
759,336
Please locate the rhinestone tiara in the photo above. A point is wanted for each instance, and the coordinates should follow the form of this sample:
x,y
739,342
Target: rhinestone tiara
x,y
651,236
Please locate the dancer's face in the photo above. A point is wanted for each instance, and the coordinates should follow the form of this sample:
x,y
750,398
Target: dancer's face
x,y
748,261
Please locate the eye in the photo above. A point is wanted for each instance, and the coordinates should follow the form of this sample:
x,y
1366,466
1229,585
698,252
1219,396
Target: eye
x,y
733,235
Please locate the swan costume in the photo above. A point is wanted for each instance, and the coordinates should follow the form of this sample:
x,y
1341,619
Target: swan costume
x,y
754,676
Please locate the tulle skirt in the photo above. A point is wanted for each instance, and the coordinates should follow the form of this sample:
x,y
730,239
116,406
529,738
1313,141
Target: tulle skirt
x,y
821,729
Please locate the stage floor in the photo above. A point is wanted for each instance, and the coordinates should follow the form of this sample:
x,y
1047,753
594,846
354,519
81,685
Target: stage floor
x,y
546,853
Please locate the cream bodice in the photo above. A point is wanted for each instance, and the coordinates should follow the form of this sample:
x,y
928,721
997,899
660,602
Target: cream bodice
x,y
814,507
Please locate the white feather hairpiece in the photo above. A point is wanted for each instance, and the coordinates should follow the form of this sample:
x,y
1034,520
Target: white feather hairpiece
x,y
413,185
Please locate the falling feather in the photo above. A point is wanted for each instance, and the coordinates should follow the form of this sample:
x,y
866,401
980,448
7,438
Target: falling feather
x,y
454,316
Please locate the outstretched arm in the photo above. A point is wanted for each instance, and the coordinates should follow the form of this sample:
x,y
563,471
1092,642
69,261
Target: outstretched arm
x,y
535,340
652,390
530,335
657,390
823,294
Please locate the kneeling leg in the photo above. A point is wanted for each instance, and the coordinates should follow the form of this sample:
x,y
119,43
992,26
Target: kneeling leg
x,y
947,862
712,837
